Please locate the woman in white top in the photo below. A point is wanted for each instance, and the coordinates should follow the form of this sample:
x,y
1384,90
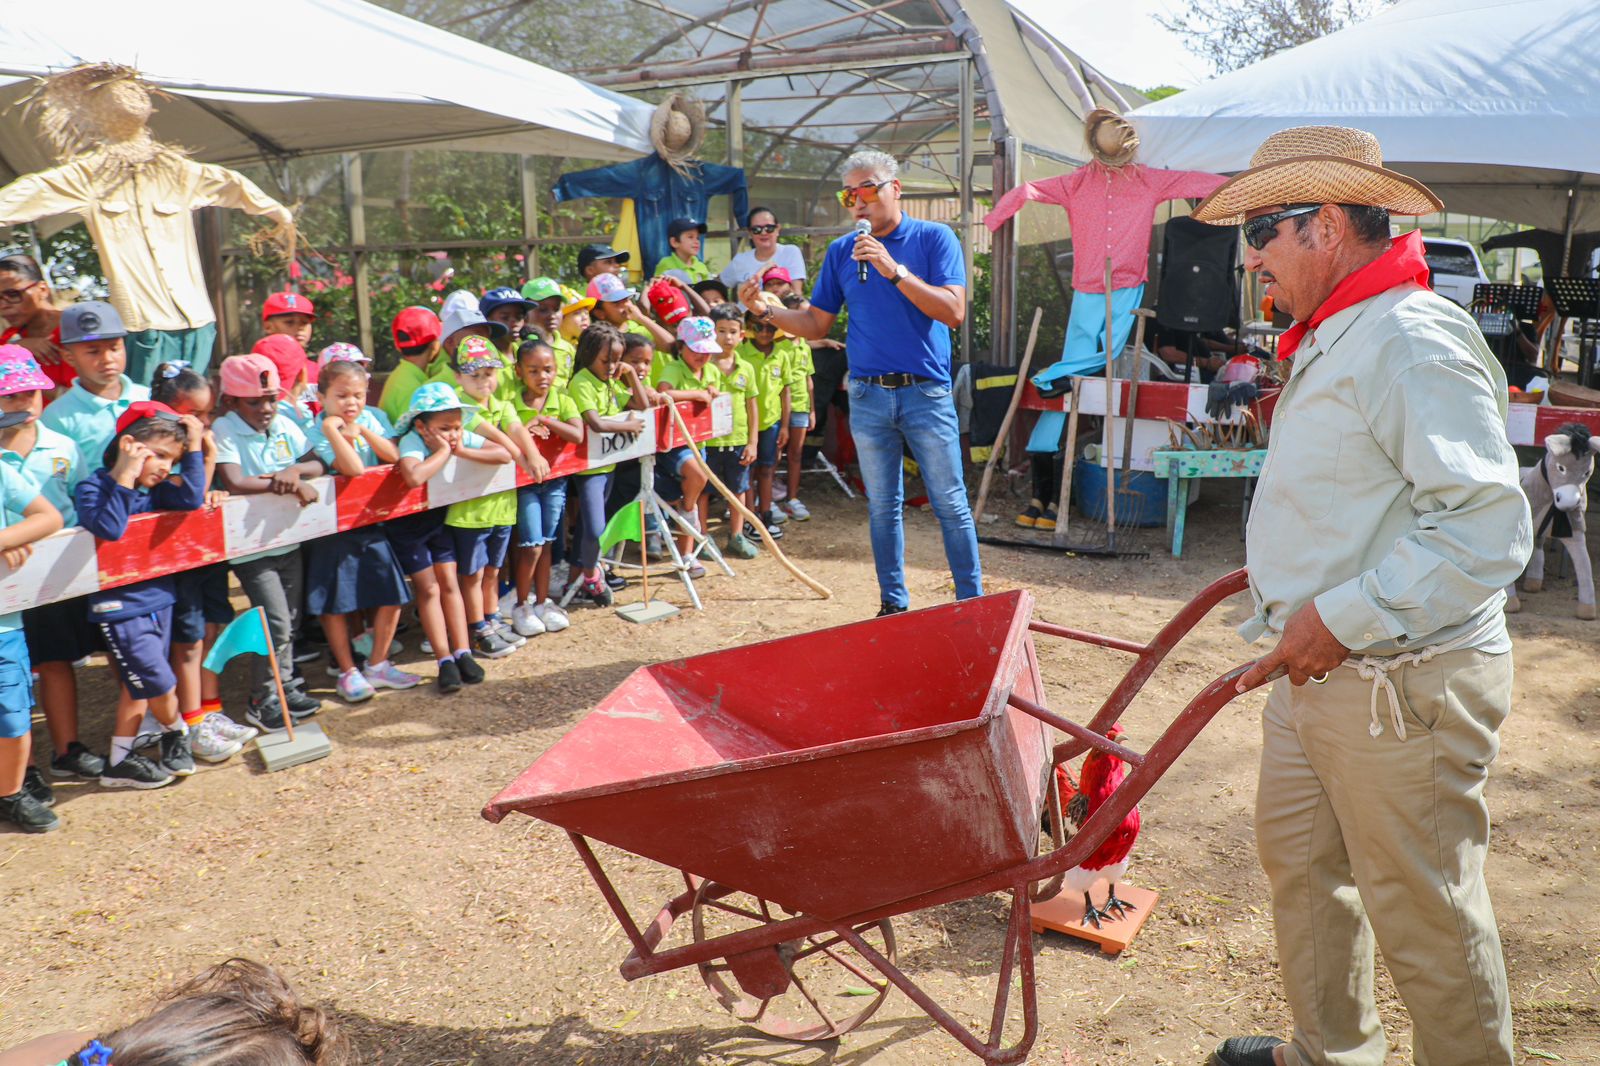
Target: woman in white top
x,y
767,253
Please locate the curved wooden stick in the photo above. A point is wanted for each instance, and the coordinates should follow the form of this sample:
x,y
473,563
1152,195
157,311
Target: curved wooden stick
x,y
745,512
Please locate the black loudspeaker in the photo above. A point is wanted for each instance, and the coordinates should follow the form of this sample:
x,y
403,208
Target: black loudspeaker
x,y
1199,277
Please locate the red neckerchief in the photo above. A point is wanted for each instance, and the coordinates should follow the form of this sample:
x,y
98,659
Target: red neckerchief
x,y
1402,263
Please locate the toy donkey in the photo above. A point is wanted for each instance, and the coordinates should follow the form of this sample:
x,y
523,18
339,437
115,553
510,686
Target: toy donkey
x,y
1557,495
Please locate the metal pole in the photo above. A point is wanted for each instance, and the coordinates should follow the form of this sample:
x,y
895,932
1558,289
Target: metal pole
x,y
1566,240
355,209
966,199
735,154
530,215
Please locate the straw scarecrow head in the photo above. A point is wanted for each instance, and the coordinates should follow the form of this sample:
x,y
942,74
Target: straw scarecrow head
x,y
677,128
1111,138
97,105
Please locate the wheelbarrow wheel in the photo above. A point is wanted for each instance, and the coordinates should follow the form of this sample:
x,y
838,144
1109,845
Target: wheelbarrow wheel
x,y
831,989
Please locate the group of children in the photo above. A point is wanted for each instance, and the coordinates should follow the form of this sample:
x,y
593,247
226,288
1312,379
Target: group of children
x,y
483,383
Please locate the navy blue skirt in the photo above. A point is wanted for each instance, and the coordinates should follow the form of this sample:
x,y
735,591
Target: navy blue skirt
x,y
353,571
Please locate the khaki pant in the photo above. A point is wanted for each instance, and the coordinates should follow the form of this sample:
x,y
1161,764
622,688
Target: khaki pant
x,y
1373,839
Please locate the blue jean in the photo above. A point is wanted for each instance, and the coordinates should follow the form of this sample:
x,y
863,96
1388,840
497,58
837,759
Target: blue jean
x,y
539,511
591,490
883,422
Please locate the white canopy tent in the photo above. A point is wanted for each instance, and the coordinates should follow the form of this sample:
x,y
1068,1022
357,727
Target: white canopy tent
x,y
309,77
1495,104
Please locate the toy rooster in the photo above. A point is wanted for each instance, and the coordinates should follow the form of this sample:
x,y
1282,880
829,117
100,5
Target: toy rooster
x,y
1101,775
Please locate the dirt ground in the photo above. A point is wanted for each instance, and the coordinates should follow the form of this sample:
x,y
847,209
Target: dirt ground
x,y
437,938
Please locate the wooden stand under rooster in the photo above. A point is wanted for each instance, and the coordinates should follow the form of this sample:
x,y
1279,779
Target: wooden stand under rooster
x,y
1114,922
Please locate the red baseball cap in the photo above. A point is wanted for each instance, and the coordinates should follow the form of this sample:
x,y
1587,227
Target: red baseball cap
x,y
414,327
775,274
668,302
143,409
286,354
287,303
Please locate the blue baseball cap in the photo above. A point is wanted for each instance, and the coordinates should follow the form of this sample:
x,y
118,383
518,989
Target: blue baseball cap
x,y
92,320
501,297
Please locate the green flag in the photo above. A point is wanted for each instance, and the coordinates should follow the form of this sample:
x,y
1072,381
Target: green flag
x,y
245,635
624,525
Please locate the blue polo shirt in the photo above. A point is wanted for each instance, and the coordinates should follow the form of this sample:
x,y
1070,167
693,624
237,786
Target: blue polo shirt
x,y
887,334
90,421
259,455
16,492
55,466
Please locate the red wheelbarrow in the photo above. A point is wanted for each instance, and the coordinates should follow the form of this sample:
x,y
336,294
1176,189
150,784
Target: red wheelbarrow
x,y
810,789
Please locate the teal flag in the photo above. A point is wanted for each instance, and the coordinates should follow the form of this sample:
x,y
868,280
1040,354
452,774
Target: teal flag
x,y
245,635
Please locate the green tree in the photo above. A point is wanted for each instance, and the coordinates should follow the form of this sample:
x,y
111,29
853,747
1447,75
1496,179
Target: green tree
x,y
1230,34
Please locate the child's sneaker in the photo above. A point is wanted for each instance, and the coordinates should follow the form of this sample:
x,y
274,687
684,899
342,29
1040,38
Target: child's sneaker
x,y
526,621
265,715
226,727
335,670
614,580
739,547
550,614
387,675
149,732
301,705
77,761
796,510
471,672
355,688
776,517
135,771
207,742
34,784
449,679
489,644
597,590
507,632
177,757
26,813
427,646
362,646
306,651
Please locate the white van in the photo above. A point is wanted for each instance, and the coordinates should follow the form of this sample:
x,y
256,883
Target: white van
x,y
1456,268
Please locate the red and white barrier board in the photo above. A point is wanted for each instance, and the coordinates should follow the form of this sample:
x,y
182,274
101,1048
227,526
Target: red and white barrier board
x,y
73,563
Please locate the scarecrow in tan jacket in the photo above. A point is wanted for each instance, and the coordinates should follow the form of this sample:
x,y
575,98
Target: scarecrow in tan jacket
x,y
136,196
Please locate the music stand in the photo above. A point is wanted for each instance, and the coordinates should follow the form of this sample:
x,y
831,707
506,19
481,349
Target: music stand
x,y
1520,301
1579,298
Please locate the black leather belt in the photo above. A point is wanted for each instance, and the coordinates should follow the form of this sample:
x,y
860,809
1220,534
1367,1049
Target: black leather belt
x,y
893,381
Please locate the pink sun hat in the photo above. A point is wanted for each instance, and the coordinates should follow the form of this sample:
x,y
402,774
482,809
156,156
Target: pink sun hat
x,y
19,371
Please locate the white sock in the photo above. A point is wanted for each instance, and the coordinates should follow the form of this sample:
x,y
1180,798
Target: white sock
x,y
378,666
121,748
180,726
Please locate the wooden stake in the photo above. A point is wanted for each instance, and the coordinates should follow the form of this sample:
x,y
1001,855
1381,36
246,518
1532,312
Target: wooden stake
x,y
743,511
1004,435
644,557
1111,406
272,659
1068,459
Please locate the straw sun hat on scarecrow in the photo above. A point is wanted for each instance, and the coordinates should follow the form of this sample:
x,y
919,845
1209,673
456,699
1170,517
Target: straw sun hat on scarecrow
x,y
1317,165
677,128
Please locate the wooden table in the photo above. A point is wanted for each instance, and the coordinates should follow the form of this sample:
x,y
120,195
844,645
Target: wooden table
x,y
1180,467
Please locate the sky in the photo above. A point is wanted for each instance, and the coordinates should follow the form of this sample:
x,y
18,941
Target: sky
x,y
1122,40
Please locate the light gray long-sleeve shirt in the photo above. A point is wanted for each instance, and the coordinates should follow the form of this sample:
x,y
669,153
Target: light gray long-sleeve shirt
x,y
1390,494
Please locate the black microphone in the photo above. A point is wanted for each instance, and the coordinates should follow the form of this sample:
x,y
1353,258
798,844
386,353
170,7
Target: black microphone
x,y
863,227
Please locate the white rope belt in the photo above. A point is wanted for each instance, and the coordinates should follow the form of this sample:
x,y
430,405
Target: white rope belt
x,y
1377,668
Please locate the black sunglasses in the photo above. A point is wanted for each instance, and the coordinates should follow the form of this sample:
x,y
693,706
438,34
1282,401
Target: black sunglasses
x,y
771,227
1259,231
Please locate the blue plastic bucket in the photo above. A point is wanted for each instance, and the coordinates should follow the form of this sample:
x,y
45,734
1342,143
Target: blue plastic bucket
x,y
1143,504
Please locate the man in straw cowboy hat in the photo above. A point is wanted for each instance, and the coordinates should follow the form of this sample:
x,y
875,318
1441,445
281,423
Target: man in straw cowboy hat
x,y
1387,523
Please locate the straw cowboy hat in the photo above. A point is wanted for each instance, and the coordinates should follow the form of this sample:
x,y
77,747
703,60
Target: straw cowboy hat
x,y
1121,130
677,128
1317,165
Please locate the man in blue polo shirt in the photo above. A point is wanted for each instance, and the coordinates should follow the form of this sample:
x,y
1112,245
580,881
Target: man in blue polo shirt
x,y
901,314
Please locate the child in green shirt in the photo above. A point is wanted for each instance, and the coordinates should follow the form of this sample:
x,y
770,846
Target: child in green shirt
x,y
802,414
730,457
599,364
771,364
549,415
684,235
691,376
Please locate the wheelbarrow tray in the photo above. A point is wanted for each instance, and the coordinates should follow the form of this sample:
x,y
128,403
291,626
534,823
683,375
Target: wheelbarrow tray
x,y
829,772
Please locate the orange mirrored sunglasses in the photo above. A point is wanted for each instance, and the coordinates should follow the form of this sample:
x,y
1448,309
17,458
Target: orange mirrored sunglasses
x,y
865,193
